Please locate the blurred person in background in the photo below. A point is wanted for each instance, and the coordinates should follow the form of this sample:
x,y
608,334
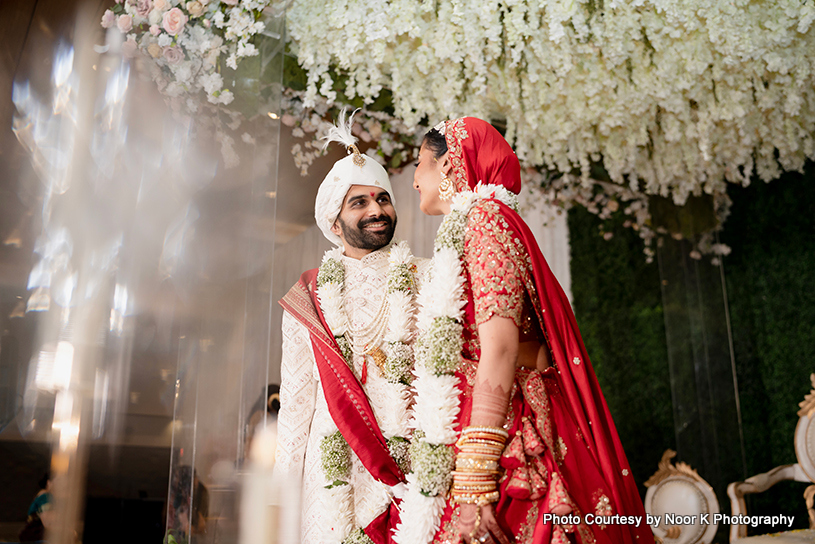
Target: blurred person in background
x,y
39,513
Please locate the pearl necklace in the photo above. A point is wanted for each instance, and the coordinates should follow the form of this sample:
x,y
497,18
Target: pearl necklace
x,y
369,337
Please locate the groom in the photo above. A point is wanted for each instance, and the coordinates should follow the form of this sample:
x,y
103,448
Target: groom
x,y
342,419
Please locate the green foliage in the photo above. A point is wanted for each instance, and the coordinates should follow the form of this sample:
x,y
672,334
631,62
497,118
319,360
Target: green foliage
x,y
769,277
440,347
618,304
335,454
432,465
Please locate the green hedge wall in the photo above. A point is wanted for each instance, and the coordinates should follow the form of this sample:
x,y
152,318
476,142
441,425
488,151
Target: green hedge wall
x,y
618,305
770,278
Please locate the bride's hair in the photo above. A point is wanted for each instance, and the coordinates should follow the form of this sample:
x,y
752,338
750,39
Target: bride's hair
x,y
435,142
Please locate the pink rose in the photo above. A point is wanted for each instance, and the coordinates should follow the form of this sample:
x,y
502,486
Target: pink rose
x,y
288,120
174,21
125,22
160,5
108,19
129,48
143,7
174,55
155,30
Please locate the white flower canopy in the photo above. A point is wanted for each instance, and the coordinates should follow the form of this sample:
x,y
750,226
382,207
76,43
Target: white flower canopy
x,y
675,98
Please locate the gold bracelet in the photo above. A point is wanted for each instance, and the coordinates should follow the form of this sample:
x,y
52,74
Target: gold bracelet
x,y
479,499
477,524
474,465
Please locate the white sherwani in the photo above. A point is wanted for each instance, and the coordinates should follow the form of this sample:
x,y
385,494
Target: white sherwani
x,y
304,418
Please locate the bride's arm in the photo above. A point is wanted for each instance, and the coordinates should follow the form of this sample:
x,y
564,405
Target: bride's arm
x,y
496,371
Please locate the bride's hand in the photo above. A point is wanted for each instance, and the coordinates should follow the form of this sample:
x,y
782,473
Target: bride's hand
x,y
488,529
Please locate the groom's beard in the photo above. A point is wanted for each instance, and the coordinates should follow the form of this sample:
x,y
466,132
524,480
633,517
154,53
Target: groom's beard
x,y
360,238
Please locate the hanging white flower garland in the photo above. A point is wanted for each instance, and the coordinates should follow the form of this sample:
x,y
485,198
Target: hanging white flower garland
x,y
389,399
438,353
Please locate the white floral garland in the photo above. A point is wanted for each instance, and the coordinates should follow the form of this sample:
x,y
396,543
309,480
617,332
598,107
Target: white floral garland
x,y
392,397
438,353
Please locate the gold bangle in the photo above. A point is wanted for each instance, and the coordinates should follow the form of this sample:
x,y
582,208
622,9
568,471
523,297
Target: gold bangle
x,y
479,499
476,465
492,430
481,445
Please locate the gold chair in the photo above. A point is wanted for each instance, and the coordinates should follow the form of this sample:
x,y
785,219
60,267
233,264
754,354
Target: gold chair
x,y
802,471
684,501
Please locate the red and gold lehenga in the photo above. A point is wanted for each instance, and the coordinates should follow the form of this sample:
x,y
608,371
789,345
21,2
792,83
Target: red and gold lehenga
x,y
563,447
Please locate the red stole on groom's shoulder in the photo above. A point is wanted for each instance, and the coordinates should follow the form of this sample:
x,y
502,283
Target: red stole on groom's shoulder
x,y
347,402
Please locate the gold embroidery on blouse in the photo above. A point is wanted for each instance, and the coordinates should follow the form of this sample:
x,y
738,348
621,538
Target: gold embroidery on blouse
x,y
498,265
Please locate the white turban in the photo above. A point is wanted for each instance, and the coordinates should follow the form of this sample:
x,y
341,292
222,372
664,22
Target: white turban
x,y
355,169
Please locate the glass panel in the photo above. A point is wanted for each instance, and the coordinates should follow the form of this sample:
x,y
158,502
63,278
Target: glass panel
x,y
707,420
152,283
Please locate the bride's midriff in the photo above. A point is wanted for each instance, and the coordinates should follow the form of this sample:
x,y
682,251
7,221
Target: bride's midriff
x,y
533,354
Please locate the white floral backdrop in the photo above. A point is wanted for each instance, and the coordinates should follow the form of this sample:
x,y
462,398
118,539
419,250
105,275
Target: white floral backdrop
x,y
673,98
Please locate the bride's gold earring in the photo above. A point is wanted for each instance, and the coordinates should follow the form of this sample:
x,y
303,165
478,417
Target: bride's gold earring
x,y
446,188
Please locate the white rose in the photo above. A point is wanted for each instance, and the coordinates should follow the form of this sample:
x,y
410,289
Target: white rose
x,y
154,18
195,8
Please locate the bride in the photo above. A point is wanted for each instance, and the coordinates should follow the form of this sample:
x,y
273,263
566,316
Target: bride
x,y
514,440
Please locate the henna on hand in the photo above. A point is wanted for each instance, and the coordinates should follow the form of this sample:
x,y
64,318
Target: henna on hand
x,y
489,404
